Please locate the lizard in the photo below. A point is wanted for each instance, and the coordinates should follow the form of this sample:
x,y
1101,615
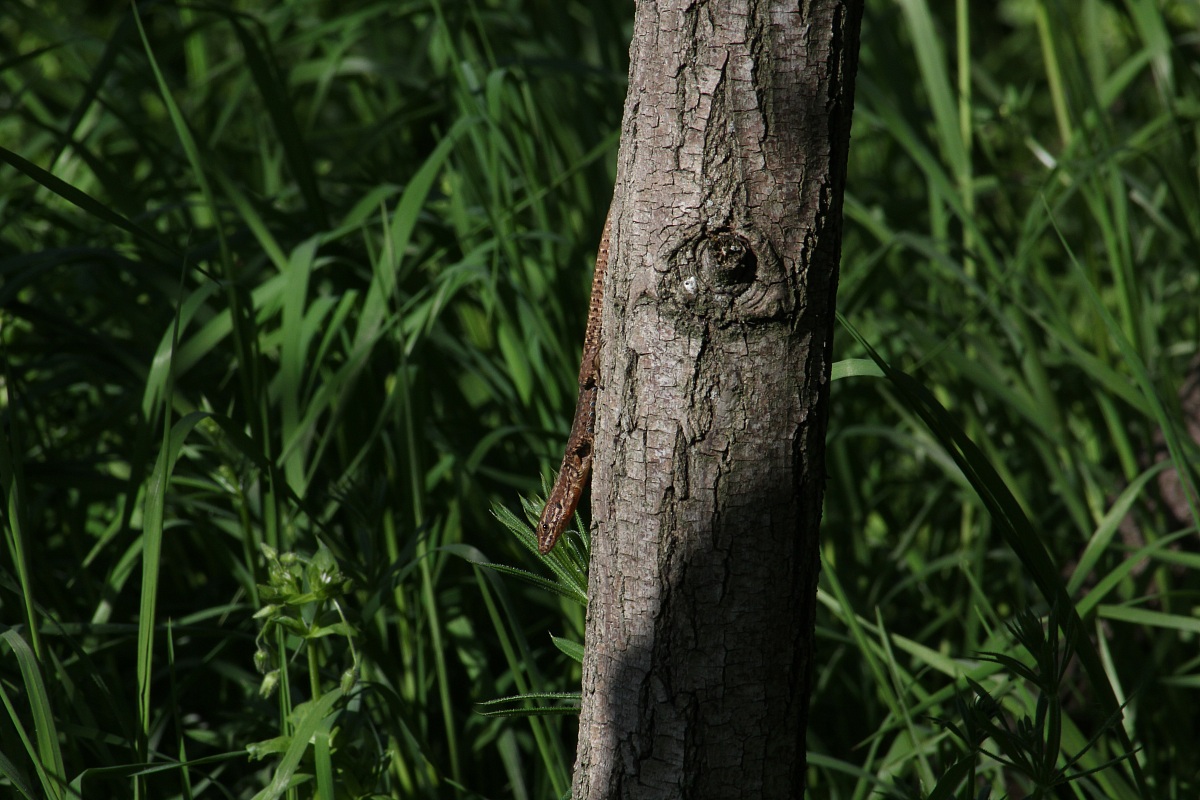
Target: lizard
x,y
577,461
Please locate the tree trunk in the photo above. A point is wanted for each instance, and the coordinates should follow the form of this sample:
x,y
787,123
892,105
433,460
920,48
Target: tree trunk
x,y
709,469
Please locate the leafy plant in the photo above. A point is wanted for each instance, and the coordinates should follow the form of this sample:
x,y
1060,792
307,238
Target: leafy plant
x,y
303,604
568,561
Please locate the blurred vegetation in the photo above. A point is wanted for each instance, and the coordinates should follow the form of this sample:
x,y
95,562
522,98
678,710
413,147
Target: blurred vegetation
x,y
291,297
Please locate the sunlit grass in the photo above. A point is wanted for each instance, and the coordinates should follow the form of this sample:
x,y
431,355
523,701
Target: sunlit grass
x,y
1038,295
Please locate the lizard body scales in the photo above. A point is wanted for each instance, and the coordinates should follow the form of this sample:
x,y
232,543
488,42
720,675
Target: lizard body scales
x,y
577,461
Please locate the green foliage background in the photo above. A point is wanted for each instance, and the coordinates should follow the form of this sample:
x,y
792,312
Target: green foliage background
x,y
291,296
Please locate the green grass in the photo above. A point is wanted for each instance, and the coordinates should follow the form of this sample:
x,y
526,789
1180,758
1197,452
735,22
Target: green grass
x,y
291,300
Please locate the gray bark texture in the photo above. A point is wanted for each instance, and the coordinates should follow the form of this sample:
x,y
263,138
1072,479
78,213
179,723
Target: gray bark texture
x,y
709,470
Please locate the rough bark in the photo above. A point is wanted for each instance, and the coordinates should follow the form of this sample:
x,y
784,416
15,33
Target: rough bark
x,y
709,463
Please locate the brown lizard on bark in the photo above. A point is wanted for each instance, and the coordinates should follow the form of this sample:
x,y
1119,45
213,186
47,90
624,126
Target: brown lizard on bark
x,y
577,461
